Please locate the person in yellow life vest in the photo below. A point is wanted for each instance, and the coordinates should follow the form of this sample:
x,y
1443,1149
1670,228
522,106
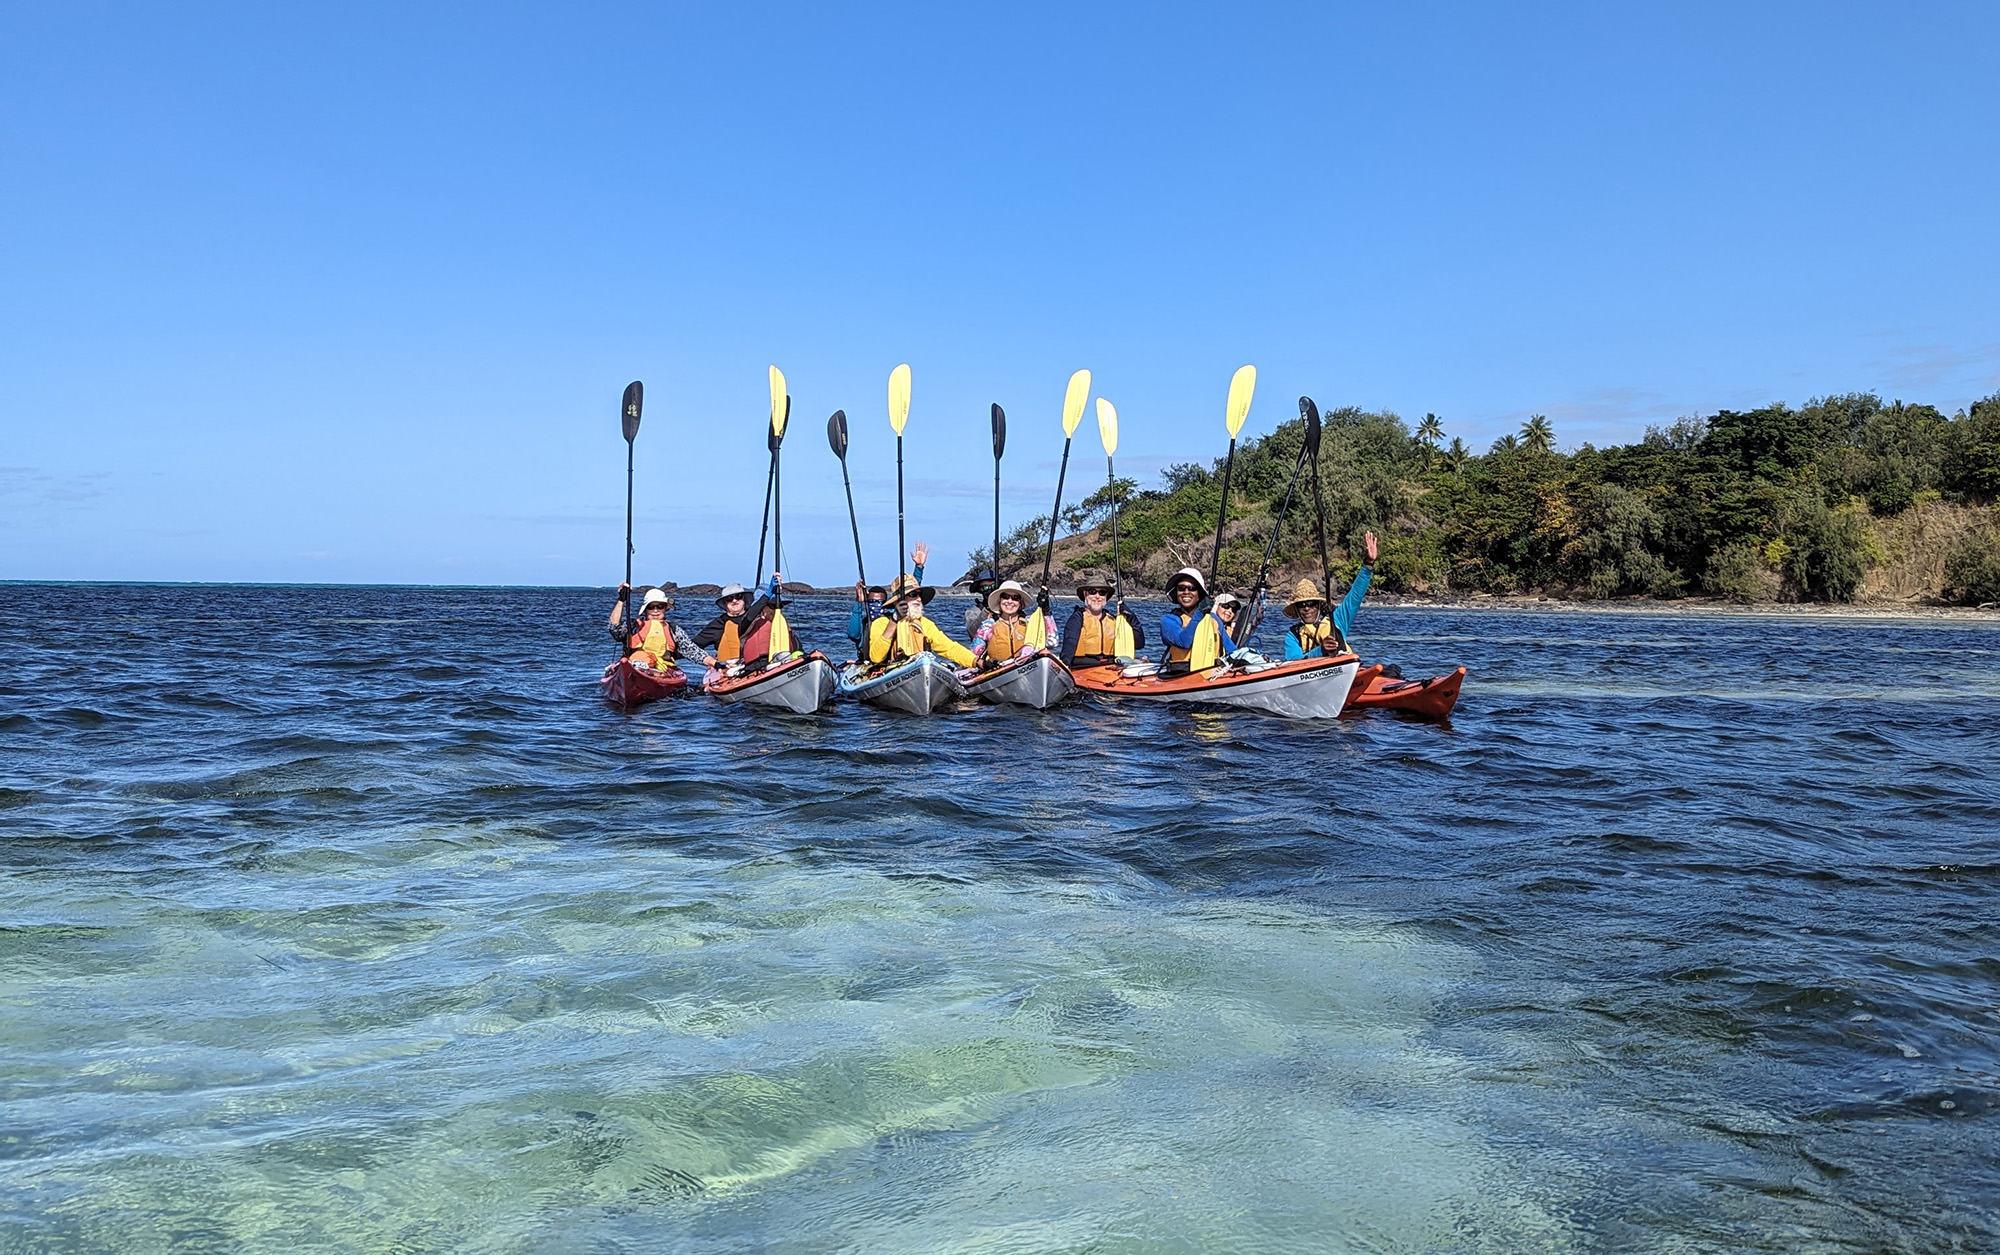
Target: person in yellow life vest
x,y
905,632
722,638
1096,636
1194,637
1011,633
650,641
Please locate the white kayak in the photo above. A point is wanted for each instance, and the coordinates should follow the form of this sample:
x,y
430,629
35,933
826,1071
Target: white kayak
x,y
802,685
1039,680
919,686
1308,688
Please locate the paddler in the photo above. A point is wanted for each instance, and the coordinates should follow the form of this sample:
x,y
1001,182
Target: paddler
x,y
650,641
906,632
1004,637
1316,634
722,639
1095,636
976,615
1228,610
868,598
1194,637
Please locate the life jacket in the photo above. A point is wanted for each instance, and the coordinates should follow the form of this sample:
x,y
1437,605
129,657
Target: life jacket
x,y
1037,630
906,637
1095,641
1207,649
1322,637
1005,640
655,640
730,647
768,640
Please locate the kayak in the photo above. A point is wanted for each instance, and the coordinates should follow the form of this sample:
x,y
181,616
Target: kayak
x,y
1308,688
802,685
626,685
919,686
1039,680
1432,698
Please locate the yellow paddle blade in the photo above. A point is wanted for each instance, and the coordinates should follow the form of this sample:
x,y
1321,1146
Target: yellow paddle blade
x,y
1107,426
1073,399
1241,385
779,409
899,397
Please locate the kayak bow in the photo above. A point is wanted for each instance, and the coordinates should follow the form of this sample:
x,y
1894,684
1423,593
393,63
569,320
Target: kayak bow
x,y
1430,699
628,686
918,687
1039,680
803,685
1307,688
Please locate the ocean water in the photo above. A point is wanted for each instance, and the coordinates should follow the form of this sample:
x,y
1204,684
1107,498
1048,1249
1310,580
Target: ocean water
x,y
350,919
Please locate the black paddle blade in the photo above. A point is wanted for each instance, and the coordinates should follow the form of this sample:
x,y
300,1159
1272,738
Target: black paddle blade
x,y
836,434
999,431
1310,412
635,397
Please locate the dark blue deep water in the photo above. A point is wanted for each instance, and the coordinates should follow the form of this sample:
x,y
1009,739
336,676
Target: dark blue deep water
x,y
349,919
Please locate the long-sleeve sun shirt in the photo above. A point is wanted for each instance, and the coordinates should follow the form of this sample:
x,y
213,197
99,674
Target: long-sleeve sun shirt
x,y
1343,614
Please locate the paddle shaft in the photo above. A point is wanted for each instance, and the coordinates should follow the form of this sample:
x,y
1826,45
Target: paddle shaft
x,y
1256,614
996,518
1055,517
625,598
1319,511
899,505
860,568
777,512
1221,516
1117,582
764,532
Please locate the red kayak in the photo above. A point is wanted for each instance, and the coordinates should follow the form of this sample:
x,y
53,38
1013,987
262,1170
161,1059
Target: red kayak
x,y
627,686
1432,698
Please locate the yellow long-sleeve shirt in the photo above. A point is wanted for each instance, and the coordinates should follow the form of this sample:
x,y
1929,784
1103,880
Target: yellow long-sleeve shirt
x,y
911,639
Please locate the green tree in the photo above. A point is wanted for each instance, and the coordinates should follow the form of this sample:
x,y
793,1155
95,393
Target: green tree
x,y
1537,434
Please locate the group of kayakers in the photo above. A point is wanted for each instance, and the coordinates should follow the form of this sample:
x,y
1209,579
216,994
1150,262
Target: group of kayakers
x,y
889,625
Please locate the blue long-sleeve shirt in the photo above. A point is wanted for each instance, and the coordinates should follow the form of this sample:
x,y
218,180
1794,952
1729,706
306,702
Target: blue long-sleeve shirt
x,y
1179,637
857,618
1343,614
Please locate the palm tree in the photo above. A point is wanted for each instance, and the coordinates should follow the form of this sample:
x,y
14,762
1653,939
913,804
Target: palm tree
x,y
1456,456
1538,434
1506,444
1430,431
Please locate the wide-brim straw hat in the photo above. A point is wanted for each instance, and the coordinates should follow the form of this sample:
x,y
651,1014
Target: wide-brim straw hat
x,y
1009,586
731,589
1192,576
903,585
654,597
1304,593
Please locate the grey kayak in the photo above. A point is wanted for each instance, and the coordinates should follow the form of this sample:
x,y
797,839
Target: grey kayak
x,y
918,687
1039,681
802,686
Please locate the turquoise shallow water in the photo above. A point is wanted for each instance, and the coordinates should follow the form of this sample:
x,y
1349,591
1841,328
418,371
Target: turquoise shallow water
x,y
347,920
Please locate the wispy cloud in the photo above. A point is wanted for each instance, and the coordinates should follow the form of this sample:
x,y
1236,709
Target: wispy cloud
x,y
31,483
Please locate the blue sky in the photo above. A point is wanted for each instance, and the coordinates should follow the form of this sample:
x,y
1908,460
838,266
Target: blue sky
x,y
349,292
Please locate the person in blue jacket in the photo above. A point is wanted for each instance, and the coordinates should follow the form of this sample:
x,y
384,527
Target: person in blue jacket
x,y
868,598
1195,639
1090,638
1316,633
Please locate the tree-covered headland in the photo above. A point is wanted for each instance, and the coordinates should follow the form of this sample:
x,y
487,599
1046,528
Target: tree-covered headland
x,y
1843,497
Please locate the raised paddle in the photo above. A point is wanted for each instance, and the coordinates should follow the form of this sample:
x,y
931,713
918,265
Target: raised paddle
x,y
899,413
1255,615
1241,385
628,417
1107,431
836,438
1311,412
781,408
999,447
1073,398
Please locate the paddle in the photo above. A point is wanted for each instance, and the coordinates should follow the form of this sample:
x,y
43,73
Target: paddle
x,y
836,437
628,410
999,447
1107,431
779,417
781,408
899,413
1256,611
1241,385
1073,398
1319,502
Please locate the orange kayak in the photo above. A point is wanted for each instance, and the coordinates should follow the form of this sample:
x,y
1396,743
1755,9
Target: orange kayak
x,y
1309,688
626,685
1432,698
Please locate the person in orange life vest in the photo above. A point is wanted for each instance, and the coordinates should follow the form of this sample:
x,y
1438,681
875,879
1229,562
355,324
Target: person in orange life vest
x,y
1004,637
1091,637
1317,633
770,638
723,635
1194,637
905,632
650,641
